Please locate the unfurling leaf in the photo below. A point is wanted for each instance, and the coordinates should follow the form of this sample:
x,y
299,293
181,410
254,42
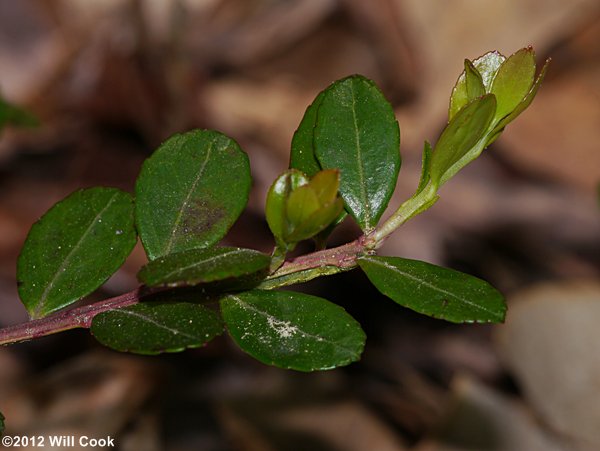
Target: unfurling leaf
x,y
292,330
298,208
438,292
461,134
74,248
190,192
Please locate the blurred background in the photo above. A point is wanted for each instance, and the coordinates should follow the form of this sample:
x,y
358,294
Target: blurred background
x,y
110,79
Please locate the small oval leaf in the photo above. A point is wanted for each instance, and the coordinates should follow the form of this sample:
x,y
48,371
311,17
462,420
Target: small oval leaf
x,y
190,192
513,81
461,134
292,330
74,248
155,327
357,133
435,291
198,266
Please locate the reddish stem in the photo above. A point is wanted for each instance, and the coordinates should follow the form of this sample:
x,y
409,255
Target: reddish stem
x,y
68,319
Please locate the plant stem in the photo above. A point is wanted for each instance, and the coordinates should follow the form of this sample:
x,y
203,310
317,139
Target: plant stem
x,y
299,269
420,202
68,319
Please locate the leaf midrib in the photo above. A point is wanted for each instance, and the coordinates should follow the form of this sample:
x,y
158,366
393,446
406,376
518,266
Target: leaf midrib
x,y
433,287
318,338
61,269
157,324
208,260
361,170
184,204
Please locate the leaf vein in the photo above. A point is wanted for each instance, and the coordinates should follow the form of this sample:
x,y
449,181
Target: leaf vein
x,y
185,202
61,269
318,338
429,285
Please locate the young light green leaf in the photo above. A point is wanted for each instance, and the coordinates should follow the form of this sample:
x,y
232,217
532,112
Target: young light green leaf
x,y
301,204
302,156
197,266
277,197
318,221
155,327
74,248
292,330
465,129
513,81
357,132
486,66
435,291
425,167
473,81
190,192
522,106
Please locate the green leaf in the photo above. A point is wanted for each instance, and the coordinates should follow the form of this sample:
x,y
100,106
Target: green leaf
x,y
155,327
277,197
318,221
435,291
513,81
292,330
473,81
486,66
1,424
425,167
302,156
74,248
357,132
461,134
13,115
522,106
198,266
190,192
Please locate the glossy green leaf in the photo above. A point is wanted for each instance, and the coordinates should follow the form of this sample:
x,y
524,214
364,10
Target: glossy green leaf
x,y
292,330
302,156
513,81
13,115
435,291
461,134
486,66
198,266
276,206
357,132
522,106
155,327
190,192
74,248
